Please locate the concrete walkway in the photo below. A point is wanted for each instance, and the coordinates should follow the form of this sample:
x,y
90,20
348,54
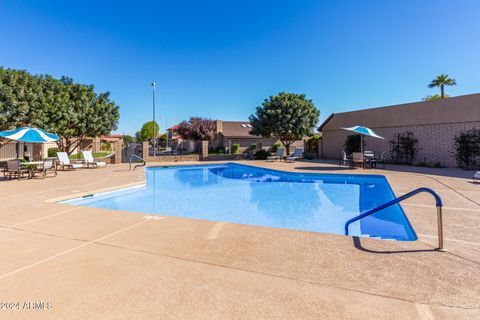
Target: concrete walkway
x,y
88,263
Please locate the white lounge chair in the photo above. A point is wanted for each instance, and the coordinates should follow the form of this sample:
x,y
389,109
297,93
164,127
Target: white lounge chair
x,y
278,155
89,161
297,155
64,162
476,176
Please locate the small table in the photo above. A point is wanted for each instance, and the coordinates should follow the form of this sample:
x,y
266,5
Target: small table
x,y
370,159
31,163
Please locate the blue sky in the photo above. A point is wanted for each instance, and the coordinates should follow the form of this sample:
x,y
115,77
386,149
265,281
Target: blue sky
x,y
220,59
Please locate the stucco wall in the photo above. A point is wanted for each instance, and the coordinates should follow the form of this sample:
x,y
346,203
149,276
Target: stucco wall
x,y
435,124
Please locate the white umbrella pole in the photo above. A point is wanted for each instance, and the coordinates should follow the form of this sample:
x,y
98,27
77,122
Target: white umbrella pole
x,y
361,144
361,150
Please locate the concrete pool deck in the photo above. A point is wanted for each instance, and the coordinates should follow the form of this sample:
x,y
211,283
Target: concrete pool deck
x,y
89,263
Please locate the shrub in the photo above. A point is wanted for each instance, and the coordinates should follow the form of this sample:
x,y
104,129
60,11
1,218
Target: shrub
x,y
106,146
352,143
235,148
218,150
312,144
52,152
308,155
262,155
436,164
467,149
253,146
275,147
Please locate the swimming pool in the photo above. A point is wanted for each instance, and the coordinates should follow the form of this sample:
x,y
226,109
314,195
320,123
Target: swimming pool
x,y
256,196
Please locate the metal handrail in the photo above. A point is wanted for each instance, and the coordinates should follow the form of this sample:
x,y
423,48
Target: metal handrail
x,y
138,165
438,204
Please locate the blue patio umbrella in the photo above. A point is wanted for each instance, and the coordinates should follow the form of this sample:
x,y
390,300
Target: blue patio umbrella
x,y
363,131
31,135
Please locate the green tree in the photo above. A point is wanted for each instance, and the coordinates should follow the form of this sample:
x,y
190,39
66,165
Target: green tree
x,y
287,117
71,110
434,97
138,137
77,112
442,81
128,139
146,133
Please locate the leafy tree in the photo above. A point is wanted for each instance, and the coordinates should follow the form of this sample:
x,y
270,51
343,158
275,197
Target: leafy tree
x,y
146,133
287,117
434,97
71,110
198,129
442,81
21,102
138,137
128,139
352,143
77,112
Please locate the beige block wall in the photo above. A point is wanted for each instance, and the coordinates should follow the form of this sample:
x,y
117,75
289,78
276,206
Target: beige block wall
x,y
435,141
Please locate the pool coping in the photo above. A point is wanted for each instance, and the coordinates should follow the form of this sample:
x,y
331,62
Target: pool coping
x,y
59,200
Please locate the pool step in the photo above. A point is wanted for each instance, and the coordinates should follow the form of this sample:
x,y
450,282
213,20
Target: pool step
x,y
376,237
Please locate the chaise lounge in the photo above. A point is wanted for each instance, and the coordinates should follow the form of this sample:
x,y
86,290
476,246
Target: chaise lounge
x,y
278,155
89,161
297,155
64,162
47,166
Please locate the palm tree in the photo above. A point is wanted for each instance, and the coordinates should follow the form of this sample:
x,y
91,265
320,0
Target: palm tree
x,y
442,81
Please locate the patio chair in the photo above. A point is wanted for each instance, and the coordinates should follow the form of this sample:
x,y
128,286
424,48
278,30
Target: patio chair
x,y
476,176
297,155
90,161
278,155
3,167
358,158
374,161
15,169
47,166
344,159
369,157
64,162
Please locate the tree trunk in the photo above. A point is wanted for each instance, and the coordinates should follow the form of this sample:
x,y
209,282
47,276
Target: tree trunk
x,y
442,91
287,148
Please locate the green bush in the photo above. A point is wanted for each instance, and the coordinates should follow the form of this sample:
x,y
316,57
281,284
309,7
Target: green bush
x,y
235,148
312,143
309,155
52,152
352,143
262,155
467,149
275,147
106,146
253,146
218,150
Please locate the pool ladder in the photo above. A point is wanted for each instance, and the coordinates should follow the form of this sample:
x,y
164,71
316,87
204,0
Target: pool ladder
x,y
438,204
137,165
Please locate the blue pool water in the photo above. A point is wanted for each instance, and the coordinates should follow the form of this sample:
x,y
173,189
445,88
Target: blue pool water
x,y
250,195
